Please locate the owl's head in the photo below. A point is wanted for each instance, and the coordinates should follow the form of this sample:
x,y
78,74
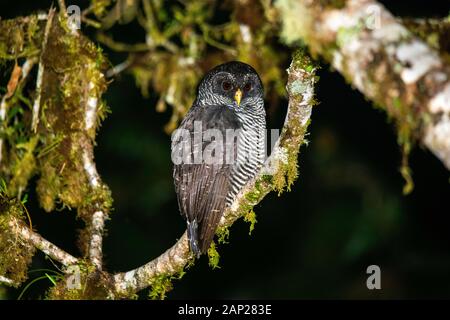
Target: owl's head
x,y
234,84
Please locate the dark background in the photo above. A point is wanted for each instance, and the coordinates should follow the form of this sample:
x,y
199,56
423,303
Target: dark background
x,y
345,212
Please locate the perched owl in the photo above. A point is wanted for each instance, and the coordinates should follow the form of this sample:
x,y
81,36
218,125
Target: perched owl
x,y
220,145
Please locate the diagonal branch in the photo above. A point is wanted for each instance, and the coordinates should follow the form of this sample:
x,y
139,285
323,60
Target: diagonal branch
x,y
40,243
382,59
97,214
280,170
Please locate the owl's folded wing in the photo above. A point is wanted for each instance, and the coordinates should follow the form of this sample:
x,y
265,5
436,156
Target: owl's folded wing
x,y
202,187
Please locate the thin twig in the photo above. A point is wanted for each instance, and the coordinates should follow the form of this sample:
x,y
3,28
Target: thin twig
x,y
42,244
301,93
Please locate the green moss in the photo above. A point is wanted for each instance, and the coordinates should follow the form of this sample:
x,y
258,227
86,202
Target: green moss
x,y
162,284
223,234
295,131
301,60
296,23
253,196
213,256
397,103
435,32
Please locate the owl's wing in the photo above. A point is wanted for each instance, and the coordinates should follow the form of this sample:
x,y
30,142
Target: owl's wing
x,y
202,188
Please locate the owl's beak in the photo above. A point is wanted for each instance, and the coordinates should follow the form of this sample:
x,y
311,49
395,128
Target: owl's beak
x,y
238,96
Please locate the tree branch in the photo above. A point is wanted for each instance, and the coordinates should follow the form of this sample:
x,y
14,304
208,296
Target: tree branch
x,y
279,171
96,241
62,7
383,60
40,243
8,282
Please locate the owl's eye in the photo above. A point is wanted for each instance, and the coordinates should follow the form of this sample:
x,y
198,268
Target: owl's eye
x,y
226,85
247,86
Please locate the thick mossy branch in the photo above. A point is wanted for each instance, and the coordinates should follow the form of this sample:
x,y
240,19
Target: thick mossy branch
x,y
278,173
70,111
382,59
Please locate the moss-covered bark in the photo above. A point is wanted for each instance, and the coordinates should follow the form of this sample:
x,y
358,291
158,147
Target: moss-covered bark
x,y
279,172
69,115
53,138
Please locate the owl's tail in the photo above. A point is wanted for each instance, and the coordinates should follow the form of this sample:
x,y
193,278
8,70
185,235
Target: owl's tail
x,y
192,229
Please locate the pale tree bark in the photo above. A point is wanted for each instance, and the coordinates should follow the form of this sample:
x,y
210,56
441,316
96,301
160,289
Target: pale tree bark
x,y
48,248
